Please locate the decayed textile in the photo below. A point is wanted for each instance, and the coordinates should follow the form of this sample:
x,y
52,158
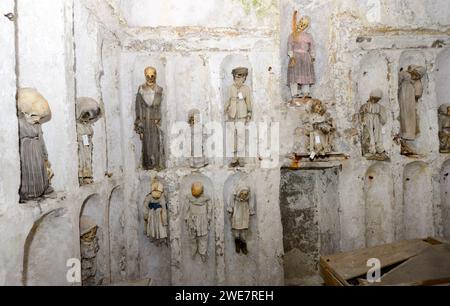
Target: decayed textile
x,y
148,117
155,213
303,50
33,154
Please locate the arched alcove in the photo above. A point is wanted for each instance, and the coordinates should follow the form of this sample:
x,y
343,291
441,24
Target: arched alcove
x,y
372,74
117,241
417,201
136,74
443,76
47,248
240,269
93,213
424,135
194,271
444,181
378,200
155,258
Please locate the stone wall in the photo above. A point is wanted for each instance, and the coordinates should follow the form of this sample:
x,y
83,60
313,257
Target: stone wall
x,y
99,49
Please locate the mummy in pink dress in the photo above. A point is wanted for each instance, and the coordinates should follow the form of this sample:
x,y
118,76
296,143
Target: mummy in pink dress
x,y
301,51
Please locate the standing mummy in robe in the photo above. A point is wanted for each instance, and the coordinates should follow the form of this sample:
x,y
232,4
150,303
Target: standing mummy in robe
x,y
88,112
197,159
410,91
198,218
242,206
302,54
155,213
373,117
148,121
238,109
36,173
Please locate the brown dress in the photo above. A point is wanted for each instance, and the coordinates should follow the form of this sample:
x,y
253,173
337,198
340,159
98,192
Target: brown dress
x,y
148,113
33,154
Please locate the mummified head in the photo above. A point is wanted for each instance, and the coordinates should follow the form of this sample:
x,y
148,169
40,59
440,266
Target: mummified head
x,y
150,76
157,189
197,189
301,25
244,193
33,106
88,110
317,107
240,75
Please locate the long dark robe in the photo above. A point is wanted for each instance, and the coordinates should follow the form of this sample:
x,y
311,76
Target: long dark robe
x,y
408,113
33,154
147,115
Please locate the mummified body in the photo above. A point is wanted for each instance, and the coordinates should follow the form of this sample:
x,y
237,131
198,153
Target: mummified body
x,y
373,117
148,121
35,167
88,112
155,213
241,208
89,249
198,218
301,51
320,131
410,91
444,128
238,109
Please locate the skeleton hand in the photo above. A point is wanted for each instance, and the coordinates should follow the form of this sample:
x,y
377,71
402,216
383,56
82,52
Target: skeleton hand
x,y
50,173
292,62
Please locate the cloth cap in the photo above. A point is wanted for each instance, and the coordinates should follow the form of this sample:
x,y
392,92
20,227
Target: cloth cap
x,y
240,70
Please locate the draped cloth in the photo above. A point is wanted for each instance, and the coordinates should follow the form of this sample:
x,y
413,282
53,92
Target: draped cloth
x,y
407,100
85,133
155,212
33,154
148,116
302,49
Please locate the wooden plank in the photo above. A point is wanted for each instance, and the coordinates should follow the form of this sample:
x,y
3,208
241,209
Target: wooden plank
x,y
442,239
330,277
349,265
431,266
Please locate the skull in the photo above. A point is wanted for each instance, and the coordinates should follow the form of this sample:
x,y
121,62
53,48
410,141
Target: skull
x,y
303,24
244,194
88,110
33,106
157,189
150,76
197,189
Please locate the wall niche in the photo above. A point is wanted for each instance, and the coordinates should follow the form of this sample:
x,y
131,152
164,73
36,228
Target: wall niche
x,y
417,201
117,240
378,200
309,202
156,257
93,244
240,269
195,271
444,181
47,250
